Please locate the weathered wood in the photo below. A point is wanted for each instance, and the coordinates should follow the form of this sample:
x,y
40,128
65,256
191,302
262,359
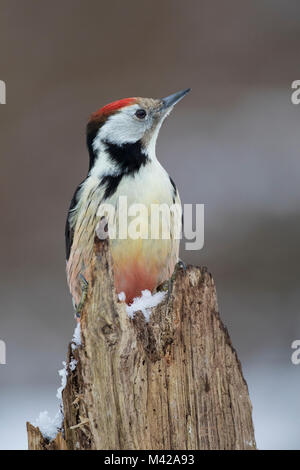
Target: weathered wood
x,y
173,383
37,442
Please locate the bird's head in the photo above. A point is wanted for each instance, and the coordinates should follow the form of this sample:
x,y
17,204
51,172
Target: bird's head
x,y
130,124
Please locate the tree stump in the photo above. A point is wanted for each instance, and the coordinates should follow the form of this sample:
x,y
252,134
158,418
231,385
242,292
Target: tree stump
x,y
173,383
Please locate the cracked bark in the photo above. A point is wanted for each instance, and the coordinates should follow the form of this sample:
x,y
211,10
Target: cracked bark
x,y
173,383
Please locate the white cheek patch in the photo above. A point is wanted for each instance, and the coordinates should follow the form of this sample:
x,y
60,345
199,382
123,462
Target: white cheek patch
x,y
152,143
121,128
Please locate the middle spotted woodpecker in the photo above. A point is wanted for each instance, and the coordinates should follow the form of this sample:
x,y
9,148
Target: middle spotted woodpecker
x,y
121,139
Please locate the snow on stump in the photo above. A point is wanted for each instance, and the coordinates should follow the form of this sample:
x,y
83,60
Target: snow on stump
x,y
173,382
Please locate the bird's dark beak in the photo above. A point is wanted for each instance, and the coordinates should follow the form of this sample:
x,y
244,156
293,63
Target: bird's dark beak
x,y
173,99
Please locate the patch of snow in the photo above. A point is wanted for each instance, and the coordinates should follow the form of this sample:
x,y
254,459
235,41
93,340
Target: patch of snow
x,y
72,364
122,296
145,303
76,340
250,443
63,373
49,427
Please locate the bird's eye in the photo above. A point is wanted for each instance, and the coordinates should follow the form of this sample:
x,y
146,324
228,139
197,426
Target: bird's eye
x,y
141,113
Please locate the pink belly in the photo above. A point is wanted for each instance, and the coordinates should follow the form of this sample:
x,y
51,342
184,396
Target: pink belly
x,y
133,278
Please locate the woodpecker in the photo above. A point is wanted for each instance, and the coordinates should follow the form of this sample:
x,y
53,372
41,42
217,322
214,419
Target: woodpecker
x,y
121,140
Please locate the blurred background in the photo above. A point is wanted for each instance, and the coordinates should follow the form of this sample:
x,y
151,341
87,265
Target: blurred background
x,y
232,144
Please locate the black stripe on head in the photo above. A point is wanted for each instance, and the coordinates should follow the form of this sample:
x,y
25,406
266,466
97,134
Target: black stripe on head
x,y
129,158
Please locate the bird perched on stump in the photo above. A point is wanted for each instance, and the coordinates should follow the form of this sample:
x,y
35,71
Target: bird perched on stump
x,y
121,140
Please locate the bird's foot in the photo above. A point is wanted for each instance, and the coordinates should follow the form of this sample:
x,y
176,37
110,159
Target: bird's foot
x,y
167,286
84,291
178,266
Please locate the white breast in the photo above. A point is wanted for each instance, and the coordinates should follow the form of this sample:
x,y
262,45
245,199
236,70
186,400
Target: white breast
x,y
151,184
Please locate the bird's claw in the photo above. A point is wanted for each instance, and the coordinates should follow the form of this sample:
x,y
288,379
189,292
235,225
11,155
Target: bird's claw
x,y
83,281
179,265
84,290
167,286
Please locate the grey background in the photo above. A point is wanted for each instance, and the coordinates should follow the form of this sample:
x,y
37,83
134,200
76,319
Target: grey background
x,y
232,144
